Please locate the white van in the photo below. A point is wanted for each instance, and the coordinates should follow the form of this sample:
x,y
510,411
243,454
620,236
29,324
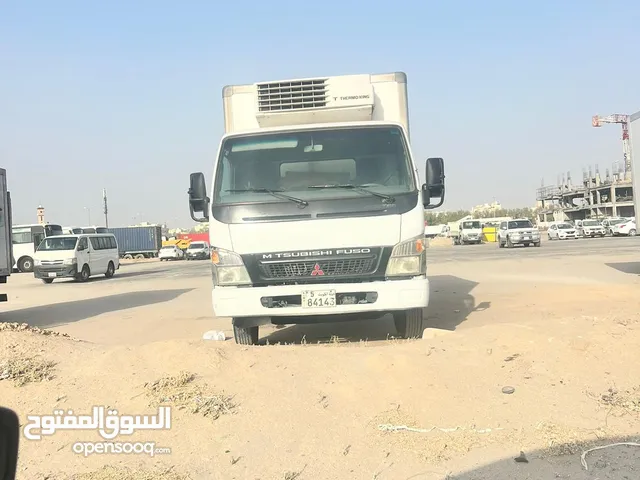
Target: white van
x,y
76,256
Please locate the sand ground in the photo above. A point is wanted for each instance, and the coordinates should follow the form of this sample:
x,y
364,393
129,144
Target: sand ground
x,y
332,401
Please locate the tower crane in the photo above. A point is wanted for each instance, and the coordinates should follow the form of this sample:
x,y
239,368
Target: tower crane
x,y
631,168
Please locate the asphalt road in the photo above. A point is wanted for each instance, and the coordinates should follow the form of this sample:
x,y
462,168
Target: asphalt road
x,y
549,248
485,252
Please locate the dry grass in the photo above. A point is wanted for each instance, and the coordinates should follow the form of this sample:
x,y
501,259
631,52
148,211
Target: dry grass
x,y
25,327
432,447
619,403
560,440
181,392
22,370
122,473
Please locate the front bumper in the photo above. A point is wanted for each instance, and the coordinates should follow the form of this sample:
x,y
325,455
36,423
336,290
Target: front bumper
x,y
522,240
267,301
198,256
55,271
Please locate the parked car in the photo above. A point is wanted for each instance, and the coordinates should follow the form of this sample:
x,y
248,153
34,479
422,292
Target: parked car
x,y
590,228
562,231
518,232
170,252
198,251
627,228
609,223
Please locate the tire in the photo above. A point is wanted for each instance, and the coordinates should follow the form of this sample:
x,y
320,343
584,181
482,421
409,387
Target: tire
x,y
111,269
509,243
410,323
128,256
84,274
245,335
632,232
536,244
139,256
25,264
47,280
500,244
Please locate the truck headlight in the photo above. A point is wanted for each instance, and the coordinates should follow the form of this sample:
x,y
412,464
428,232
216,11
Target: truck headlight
x,y
227,268
70,261
408,258
37,262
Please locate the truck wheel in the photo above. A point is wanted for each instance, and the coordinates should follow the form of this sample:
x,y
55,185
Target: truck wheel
x,y
536,244
509,243
245,335
139,256
410,323
25,264
128,256
47,280
500,244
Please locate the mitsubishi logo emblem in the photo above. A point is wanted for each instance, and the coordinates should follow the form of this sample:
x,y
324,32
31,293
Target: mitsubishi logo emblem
x,y
316,270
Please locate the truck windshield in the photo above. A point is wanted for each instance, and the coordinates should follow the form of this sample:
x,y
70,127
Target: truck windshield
x,y
306,165
470,225
58,243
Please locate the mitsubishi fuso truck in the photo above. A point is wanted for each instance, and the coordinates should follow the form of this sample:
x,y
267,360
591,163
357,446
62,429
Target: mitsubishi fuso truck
x,y
316,210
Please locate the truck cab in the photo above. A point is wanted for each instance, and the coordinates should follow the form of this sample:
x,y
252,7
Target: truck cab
x,y
316,209
469,232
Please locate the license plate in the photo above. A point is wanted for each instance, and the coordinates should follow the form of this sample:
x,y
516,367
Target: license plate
x,y
53,274
318,298
527,238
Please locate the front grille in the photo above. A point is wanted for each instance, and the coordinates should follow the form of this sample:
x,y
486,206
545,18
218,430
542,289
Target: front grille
x,y
293,95
46,263
320,269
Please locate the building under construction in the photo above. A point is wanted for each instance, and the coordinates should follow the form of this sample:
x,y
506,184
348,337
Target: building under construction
x,y
596,196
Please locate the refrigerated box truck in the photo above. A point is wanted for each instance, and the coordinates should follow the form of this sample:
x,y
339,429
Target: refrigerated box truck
x,y
138,242
6,245
316,210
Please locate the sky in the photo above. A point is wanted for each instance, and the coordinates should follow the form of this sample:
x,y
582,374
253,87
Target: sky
x,y
127,96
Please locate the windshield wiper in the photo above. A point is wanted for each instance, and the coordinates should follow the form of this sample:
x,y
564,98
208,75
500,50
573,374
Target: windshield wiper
x,y
275,193
357,188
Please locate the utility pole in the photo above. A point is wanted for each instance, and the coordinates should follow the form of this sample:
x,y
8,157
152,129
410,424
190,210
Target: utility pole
x,y
106,211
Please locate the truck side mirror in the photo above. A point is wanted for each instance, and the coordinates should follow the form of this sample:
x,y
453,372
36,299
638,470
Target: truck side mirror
x,y
198,200
9,441
434,186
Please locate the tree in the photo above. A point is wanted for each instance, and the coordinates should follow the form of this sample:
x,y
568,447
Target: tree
x,y
437,218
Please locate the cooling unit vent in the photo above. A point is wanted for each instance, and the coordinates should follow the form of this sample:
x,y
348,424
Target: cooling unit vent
x,y
292,95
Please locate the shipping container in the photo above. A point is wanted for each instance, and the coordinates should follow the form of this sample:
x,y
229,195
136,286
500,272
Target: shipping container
x,y
138,241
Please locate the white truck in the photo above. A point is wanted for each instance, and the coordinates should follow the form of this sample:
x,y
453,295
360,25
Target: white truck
x,y
6,245
468,231
316,211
